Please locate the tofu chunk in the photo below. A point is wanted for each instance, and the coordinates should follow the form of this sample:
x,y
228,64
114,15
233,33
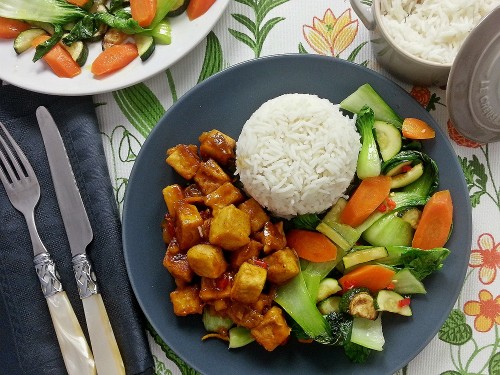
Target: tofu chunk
x,y
210,176
184,159
258,216
172,194
230,228
248,283
206,260
272,237
186,300
282,265
273,330
244,253
217,145
216,289
177,264
187,222
224,195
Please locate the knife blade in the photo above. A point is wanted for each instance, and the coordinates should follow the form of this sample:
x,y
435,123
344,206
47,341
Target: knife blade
x,y
107,356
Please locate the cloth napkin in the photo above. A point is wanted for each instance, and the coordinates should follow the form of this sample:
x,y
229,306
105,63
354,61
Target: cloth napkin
x,y
28,343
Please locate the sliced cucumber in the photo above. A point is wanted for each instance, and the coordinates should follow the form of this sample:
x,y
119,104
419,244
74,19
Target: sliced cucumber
x,y
329,305
327,287
389,230
145,45
407,178
365,255
405,282
388,139
24,39
78,51
390,301
239,336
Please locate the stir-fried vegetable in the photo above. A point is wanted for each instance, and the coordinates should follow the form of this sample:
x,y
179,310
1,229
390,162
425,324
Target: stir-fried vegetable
x,y
369,163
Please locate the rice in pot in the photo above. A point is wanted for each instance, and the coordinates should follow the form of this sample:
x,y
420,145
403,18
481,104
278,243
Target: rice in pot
x,y
297,154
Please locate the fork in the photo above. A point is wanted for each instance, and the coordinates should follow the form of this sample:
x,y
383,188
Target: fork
x,y
23,191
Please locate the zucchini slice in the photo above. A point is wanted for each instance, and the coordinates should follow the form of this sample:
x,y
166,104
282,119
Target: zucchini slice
x,y
388,139
327,287
79,51
407,178
358,302
405,282
145,45
24,39
390,301
178,8
329,305
364,255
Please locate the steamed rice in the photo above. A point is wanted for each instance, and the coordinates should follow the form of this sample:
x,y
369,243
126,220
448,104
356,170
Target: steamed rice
x,y
297,154
433,30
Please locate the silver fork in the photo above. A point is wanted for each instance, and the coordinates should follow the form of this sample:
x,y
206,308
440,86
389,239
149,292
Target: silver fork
x,y
23,190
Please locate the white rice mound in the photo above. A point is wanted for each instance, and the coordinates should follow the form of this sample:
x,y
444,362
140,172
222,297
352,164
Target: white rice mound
x,y
433,30
297,154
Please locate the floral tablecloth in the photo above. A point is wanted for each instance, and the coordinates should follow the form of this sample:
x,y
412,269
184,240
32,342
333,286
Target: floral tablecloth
x,y
469,341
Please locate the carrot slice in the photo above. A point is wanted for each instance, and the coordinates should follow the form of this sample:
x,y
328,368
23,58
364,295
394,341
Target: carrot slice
x,y
58,59
143,11
197,8
368,196
372,276
414,128
435,223
9,28
114,58
312,246
79,3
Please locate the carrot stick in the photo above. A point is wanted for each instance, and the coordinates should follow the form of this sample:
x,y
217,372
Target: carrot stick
x,y
143,11
79,3
59,59
413,128
372,276
114,58
368,196
197,8
312,246
435,223
9,28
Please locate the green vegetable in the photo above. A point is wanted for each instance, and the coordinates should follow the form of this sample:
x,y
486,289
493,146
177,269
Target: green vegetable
x,y
162,9
46,46
214,322
239,336
390,230
50,11
327,287
356,257
128,26
24,39
329,305
368,333
388,139
340,326
369,163
313,273
390,301
162,32
306,221
358,302
145,46
406,283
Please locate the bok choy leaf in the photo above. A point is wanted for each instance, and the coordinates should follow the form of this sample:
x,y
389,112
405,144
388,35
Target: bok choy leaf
x,y
51,11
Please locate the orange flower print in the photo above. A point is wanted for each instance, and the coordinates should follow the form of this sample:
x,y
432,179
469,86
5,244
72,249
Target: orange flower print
x,y
458,138
330,36
486,311
486,257
421,95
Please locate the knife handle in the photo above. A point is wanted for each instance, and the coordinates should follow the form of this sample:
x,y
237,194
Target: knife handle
x,y
75,351
106,353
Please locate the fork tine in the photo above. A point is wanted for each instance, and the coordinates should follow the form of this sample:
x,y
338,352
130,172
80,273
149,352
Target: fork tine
x,y
3,176
20,154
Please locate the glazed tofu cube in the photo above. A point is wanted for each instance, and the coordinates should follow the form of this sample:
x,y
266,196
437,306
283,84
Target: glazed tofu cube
x,y
172,194
248,283
177,264
244,253
224,195
216,289
186,300
282,265
230,228
272,237
210,176
206,260
244,315
184,159
258,216
217,145
272,330
187,223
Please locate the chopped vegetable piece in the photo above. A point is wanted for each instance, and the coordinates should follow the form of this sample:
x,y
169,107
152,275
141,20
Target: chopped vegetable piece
x,y
365,200
10,28
372,276
369,163
59,60
435,223
368,333
358,302
312,246
143,11
197,8
114,58
414,128
79,3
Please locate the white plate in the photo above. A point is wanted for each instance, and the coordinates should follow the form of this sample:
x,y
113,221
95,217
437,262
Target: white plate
x,y
186,34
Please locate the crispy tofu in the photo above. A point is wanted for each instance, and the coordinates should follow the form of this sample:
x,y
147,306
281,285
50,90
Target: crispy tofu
x,y
184,159
224,195
210,176
273,330
248,283
172,194
168,228
244,315
282,265
272,237
206,260
186,300
187,223
216,289
217,145
177,264
258,216
244,253
230,228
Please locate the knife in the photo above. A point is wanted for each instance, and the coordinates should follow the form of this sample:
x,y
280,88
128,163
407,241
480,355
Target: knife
x,y
102,339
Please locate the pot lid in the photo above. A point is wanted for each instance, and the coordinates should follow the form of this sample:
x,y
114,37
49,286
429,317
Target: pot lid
x,y
473,90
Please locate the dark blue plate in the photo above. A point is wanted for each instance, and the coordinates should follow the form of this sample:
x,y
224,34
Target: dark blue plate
x,y
225,101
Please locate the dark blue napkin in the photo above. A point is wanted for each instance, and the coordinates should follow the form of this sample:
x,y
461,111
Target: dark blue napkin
x,y
28,343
